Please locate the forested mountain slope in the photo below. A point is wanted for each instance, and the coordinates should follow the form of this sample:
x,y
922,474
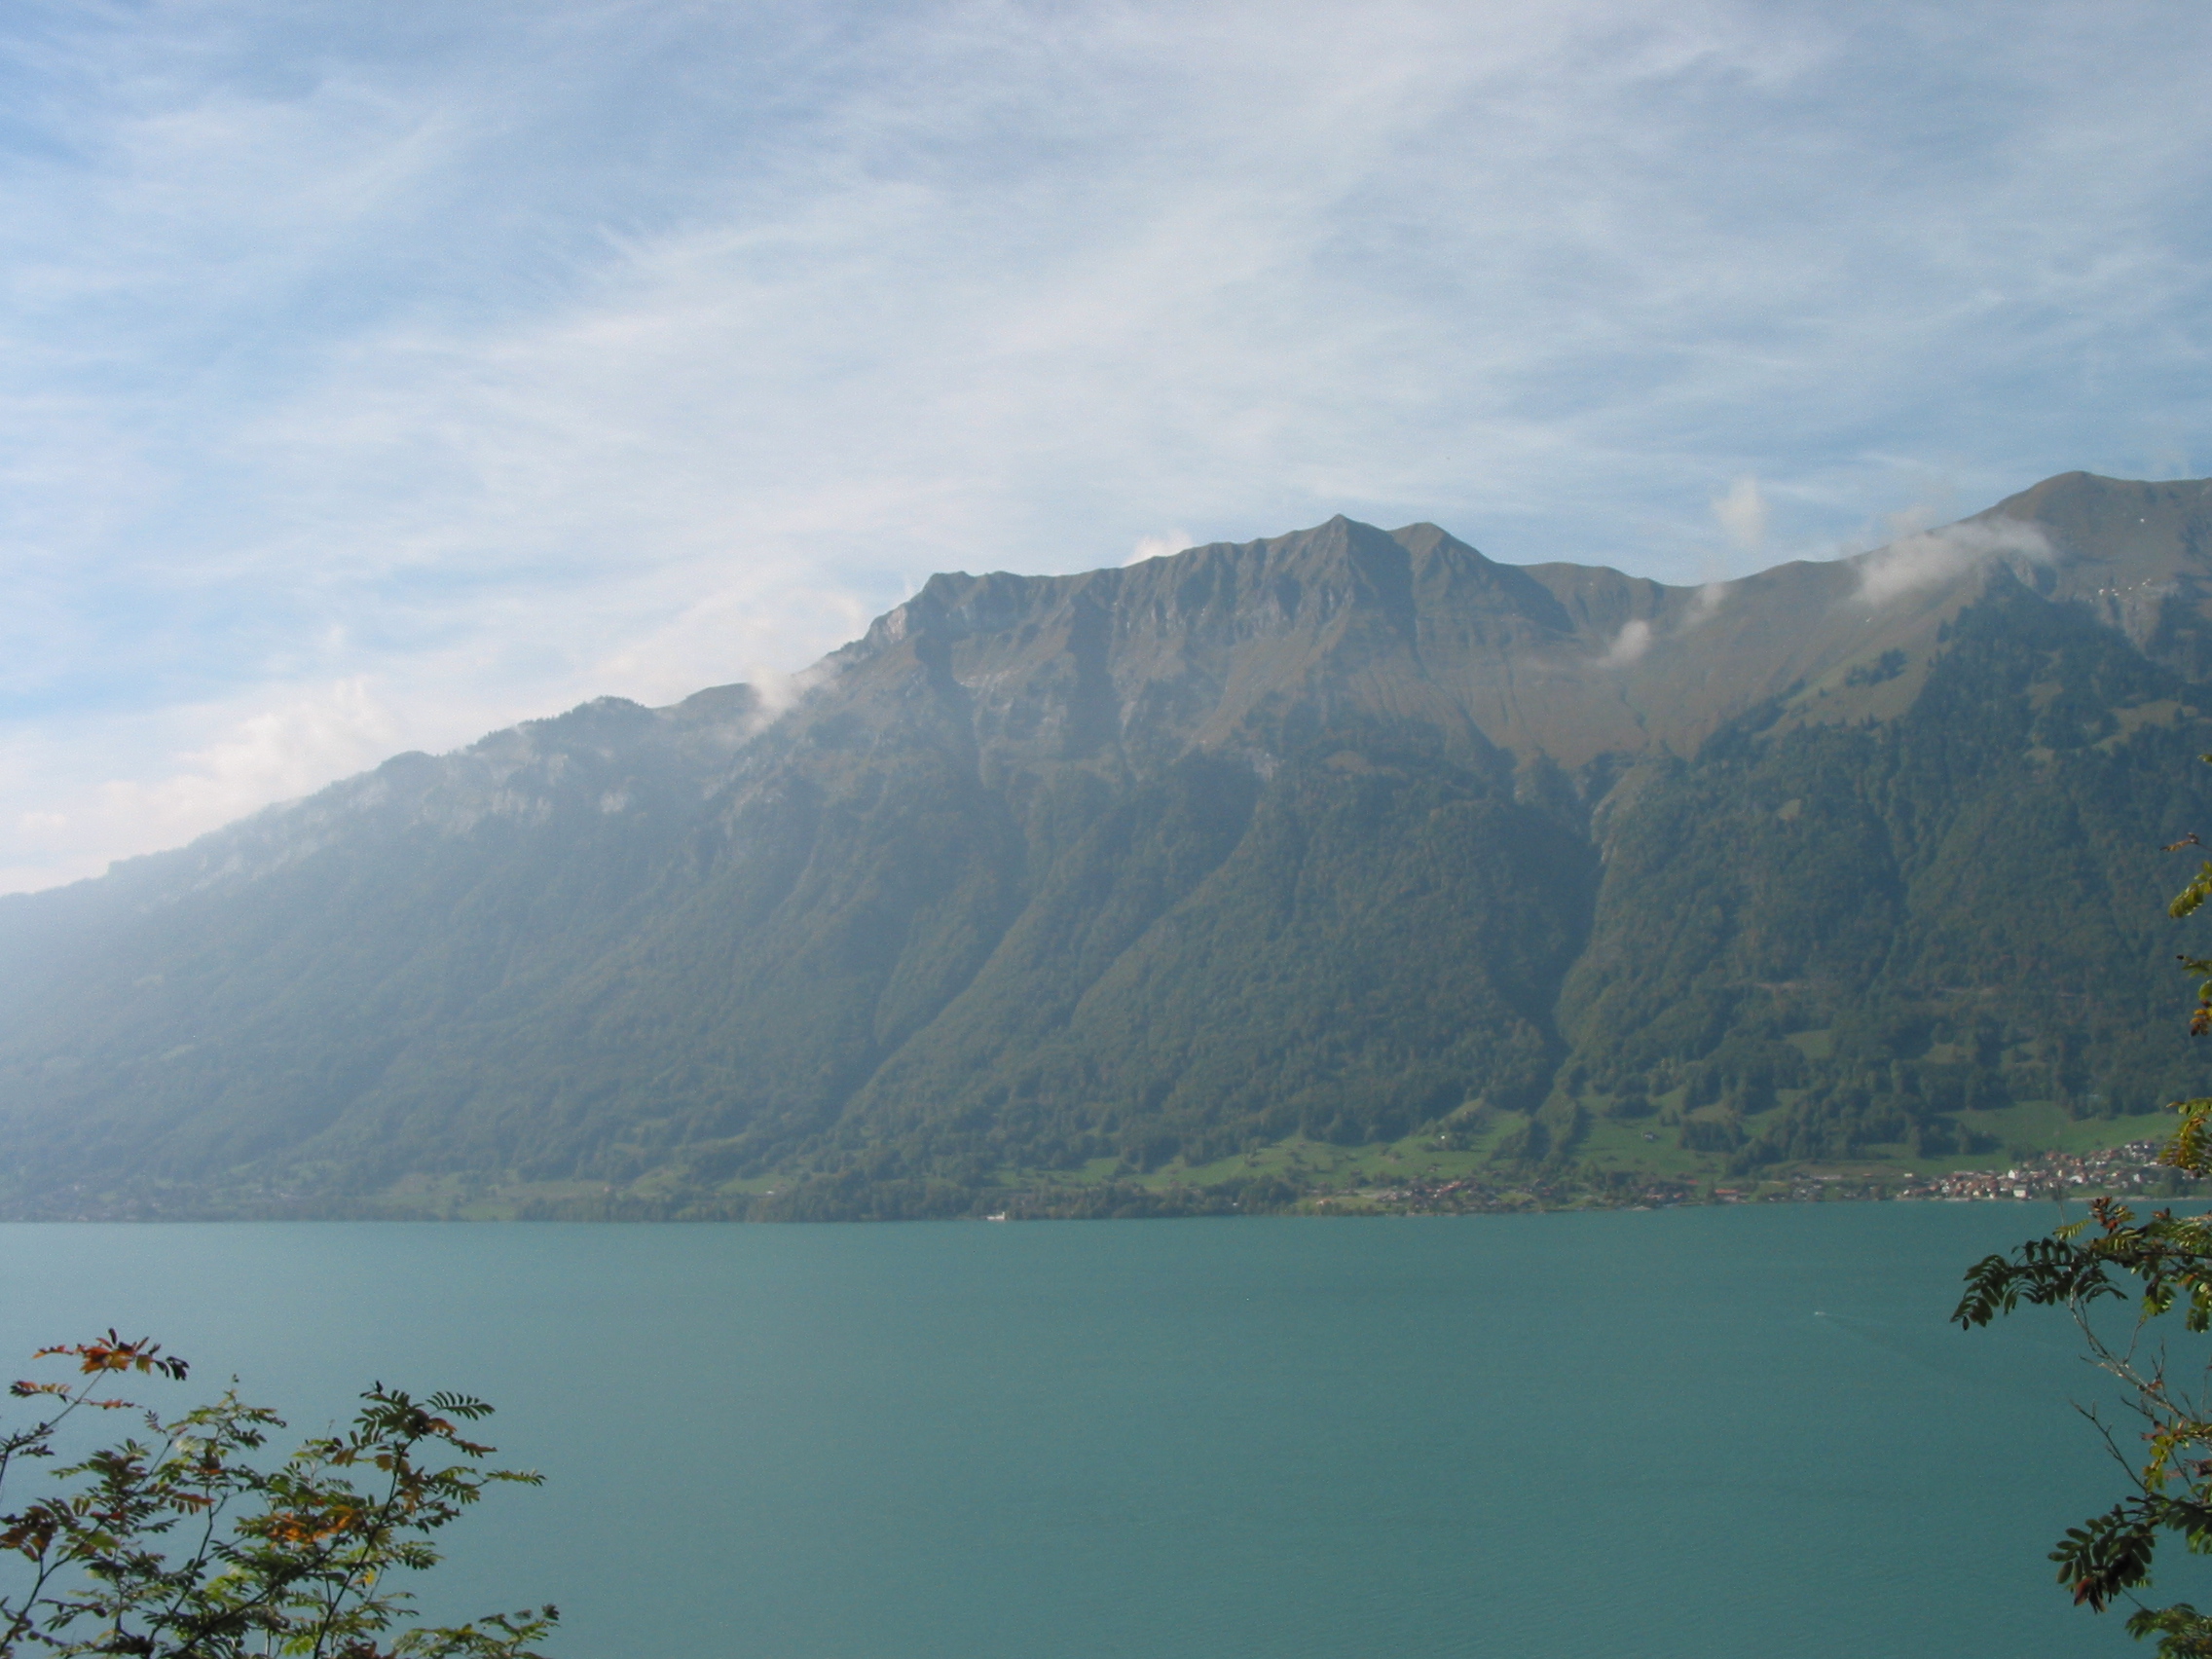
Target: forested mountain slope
x,y
1342,835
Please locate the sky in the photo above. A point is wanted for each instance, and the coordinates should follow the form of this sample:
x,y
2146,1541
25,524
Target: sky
x,y
372,376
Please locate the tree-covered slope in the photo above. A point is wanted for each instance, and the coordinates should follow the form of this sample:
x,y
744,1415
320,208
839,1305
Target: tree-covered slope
x,y
1335,838
1962,903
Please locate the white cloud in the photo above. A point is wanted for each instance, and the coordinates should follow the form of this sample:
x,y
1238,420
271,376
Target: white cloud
x,y
267,749
1629,644
275,752
1742,514
1160,546
1927,559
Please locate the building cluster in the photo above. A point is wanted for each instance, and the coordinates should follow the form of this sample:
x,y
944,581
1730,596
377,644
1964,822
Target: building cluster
x,y
2134,1168
2130,1169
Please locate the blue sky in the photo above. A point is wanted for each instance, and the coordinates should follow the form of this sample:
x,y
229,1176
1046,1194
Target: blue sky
x,y
373,376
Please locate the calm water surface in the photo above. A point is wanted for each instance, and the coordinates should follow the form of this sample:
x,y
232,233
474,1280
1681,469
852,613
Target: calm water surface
x,y
1711,1432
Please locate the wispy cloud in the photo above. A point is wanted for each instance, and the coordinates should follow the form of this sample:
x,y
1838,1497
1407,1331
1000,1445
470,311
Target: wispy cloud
x,y
495,356
1629,644
263,750
1927,559
1159,547
1742,516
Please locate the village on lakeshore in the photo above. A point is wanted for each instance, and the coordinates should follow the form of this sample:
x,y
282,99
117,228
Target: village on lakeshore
x,y
2130,1171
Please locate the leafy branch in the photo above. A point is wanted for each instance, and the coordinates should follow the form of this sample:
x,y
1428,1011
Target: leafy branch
x,y
2169,1258
181,1545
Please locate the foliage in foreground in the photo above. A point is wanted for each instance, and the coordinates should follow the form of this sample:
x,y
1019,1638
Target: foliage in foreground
x,y
2110,1555
181,1546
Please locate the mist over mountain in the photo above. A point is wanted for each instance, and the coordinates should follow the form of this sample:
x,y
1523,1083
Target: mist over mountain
x,y
1337,838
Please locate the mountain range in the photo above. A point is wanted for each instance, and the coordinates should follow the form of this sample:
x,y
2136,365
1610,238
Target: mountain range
x,y
1175,885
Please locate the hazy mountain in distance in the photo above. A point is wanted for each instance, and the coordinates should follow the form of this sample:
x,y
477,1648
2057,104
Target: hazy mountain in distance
x,y
1345,836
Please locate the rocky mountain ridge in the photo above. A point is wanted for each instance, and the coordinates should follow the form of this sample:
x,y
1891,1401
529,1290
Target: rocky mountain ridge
x,y
1336,836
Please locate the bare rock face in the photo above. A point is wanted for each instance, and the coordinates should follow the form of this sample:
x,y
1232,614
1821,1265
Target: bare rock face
x,y
1336,833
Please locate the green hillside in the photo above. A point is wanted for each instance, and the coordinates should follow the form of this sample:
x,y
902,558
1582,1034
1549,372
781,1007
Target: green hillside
x,y
1266,876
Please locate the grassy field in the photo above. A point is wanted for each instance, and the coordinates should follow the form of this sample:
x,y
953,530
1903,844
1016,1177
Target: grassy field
x,y
1632,1153
1615,1160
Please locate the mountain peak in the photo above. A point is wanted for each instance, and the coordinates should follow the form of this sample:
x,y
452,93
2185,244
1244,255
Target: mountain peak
x,y
1180,860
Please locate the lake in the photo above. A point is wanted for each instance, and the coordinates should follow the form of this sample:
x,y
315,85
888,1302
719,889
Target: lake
x,y
1710,1432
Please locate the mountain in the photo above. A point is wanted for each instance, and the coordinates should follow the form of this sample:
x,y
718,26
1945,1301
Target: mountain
x,y
1168,880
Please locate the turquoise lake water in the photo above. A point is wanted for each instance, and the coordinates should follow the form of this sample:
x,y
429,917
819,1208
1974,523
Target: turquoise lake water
x,y
1711,1432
